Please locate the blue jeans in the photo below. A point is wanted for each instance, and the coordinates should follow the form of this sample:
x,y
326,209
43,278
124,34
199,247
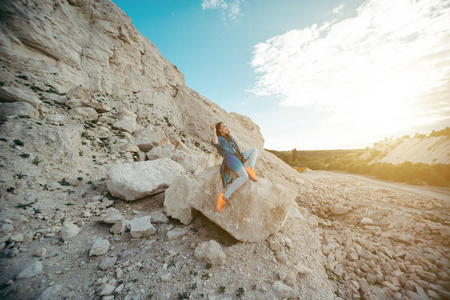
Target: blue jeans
x,y
235,164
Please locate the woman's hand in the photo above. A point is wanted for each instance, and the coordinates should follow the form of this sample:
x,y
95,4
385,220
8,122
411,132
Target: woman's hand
x,y
215,139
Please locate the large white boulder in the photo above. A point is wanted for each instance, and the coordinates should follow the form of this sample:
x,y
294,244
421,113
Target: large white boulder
x,y
150,137
131,181
253,212
18,108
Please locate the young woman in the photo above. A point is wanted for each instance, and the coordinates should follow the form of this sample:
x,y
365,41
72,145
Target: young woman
x,y
233,159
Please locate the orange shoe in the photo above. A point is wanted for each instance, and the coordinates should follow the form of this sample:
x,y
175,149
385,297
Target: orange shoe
x,y
220,202
251,174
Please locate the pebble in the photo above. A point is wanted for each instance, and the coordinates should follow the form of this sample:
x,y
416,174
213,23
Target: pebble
x,y
107,262
16,238
68,231
100,247
6,228
31,271
176,233
40,252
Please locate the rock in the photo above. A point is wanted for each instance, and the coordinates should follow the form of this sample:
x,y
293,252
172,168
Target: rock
x,y
352,256
133,181
141,227
69,230
303,270
17,109
126,120
16,238
41,252
129,126
158,217
210,252
53,292
130,148
340,210
13,94
119,227
107,262
79,92
366,221
6,228
105,203
111,216
100,247
256,209
176,233
98,106
166,150
106,289
274,243
282,291
148,138
282,257
32,270
391,286
84,113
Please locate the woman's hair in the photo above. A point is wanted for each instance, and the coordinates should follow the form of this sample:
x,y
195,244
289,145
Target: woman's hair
x,y
227,136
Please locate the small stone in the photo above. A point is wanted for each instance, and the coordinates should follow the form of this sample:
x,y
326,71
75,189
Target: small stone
x,y
119,288
210,252
100,247
176,233
52,292
366,221
141,227
13,252
16,238
119,227
111,216
41,252
282,257
105,203
6,228
106,289
283,291
31,271
158,217
107,263
69,230
352,256
303,270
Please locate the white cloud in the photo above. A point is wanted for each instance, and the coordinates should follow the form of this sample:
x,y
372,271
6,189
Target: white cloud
x,y
338,10
229,9
371,70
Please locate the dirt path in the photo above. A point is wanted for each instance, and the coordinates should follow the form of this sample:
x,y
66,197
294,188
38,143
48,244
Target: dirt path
x,y
432,192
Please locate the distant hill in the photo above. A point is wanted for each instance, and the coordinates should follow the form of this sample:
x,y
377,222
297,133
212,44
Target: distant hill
x,y
431,149
420,159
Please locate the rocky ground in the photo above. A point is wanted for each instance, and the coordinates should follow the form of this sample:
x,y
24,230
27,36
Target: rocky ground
x,y
377,244
380,242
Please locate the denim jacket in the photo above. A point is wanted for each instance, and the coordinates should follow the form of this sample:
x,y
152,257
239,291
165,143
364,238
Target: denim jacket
x,y
224,147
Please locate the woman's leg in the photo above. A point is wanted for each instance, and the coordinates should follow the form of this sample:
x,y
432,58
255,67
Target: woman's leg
x,y
234,164
251,155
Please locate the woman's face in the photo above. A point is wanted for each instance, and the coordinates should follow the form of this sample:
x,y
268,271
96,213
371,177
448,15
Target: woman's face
x,y
223,129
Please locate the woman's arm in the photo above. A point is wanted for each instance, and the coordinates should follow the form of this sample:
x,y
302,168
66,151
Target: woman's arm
x,y
215,139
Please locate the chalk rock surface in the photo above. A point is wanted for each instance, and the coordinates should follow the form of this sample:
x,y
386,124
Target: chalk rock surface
x,y
256,209
131,181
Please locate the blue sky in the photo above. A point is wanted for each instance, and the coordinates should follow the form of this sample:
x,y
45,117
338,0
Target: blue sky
x,y
312,74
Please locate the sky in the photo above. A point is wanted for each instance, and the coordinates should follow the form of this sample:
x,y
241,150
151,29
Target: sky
x,y
313,74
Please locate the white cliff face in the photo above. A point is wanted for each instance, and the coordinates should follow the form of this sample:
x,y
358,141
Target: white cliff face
x,y
83,92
